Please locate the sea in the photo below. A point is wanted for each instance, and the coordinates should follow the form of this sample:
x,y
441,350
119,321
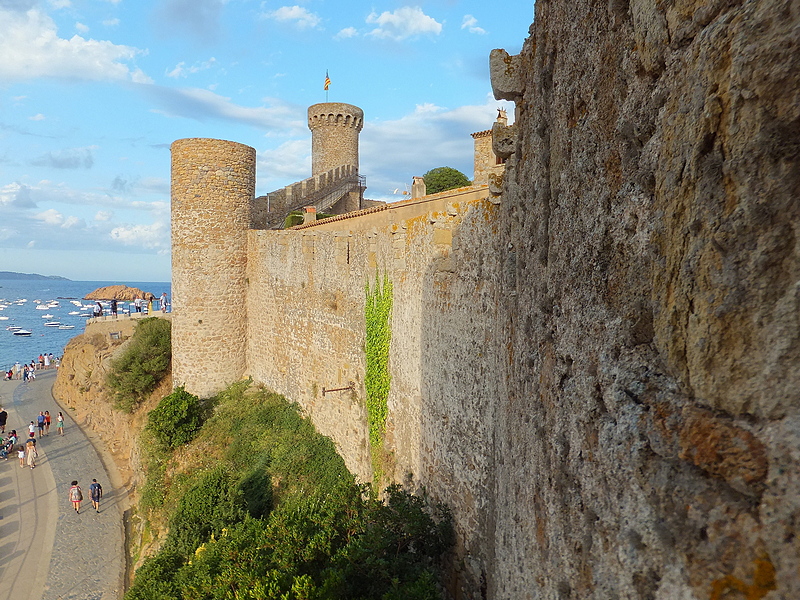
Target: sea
x,y
19,300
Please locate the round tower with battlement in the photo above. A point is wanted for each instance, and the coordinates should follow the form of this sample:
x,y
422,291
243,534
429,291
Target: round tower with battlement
x,y
334,135
213,188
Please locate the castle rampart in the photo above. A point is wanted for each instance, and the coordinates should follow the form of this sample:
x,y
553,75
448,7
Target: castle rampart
x,y
213,186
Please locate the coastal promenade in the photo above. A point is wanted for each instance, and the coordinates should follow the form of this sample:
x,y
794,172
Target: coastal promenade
x,y
47,551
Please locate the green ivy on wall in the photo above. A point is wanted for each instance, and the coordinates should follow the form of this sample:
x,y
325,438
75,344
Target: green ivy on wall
x,y
377,311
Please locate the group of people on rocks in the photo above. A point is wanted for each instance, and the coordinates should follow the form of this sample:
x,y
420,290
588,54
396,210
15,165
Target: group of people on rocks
x,y
27,453
139,305
27,371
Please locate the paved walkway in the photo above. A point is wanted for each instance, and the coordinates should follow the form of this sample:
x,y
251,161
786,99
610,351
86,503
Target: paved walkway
x,y
47,551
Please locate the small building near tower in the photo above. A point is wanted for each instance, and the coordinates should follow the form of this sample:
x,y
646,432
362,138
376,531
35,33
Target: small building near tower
x,y
486,161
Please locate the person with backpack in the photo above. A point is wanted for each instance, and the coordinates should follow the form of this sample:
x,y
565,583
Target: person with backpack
x,y
95,493
76,496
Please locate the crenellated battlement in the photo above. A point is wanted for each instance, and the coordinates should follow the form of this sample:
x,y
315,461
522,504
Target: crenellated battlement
x,y
334,135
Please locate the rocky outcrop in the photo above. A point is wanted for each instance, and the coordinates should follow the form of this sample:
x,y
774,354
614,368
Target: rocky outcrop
x,y
119,292
649,442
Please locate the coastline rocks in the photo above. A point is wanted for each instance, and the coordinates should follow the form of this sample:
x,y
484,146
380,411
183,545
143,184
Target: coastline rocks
x,y
119,292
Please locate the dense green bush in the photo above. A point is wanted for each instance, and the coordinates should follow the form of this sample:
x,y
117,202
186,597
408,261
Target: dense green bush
x,y
176,419
284,519
444,178
296,218
143,363
211,505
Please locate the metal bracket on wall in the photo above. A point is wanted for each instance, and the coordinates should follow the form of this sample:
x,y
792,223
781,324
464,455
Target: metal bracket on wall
x,y
351,387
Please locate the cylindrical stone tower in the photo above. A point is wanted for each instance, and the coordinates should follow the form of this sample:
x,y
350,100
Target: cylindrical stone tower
x,y
334,135
213,188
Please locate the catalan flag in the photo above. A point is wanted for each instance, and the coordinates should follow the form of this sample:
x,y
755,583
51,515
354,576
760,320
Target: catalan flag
x,y
327,81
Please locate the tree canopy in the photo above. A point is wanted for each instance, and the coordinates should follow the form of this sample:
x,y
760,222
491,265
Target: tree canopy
x,y
444,178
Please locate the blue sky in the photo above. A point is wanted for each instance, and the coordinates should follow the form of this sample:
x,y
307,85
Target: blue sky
x,y
93,92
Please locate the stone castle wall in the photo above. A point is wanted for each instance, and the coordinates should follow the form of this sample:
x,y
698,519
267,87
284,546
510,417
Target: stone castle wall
x,y
649,441
213,184
600,373
307,326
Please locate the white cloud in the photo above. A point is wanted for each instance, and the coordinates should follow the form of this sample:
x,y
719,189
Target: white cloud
x,y
200,104
50,216
103,215
403,23
81,27
347,32
60,3
32,244
181,70
301,16
390,154
37,117
111,22
31,48
152,237
470,23
74,223
289,162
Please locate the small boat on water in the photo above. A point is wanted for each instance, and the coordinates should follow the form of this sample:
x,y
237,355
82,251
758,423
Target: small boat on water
x,y
47,316
3,318
74,312
66,326
23,332
41,307
52,324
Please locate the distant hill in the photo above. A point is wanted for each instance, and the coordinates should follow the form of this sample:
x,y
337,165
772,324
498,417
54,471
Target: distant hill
x,y
29,276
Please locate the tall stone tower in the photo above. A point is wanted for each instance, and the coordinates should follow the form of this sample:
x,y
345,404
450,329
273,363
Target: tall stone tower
x,y
213,187
334,135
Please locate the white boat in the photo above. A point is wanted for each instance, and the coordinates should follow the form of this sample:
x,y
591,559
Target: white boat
x,y
3,318
66,326
41,307
47,316
76,302
52,324
22,332
13,328
74,312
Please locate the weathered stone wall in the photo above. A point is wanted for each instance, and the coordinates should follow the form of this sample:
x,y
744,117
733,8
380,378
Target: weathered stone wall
x,y
334,135
306,317
649,442
213,186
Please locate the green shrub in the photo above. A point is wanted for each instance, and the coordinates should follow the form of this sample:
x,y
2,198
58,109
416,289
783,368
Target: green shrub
x,y
281,517
176,419
209,506
144,362
155,578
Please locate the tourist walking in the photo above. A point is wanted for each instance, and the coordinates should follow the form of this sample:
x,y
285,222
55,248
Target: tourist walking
x,y
164,302
60,423
40,423
31,453
32,429
3,419
21,455
95,493
75,496
47,422
114,307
